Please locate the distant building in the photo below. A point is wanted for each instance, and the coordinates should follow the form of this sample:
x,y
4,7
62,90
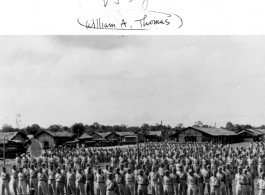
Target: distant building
x,y
85,138
53,139
154,136
250,135
18,136
199,134
100,135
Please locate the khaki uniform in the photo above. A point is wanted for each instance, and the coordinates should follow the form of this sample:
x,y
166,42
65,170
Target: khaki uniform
x,y
110,187
15,181
33,181
175,178
22,186
142,185
80,183
120,183
192,185
5,183
182,183
154,177
71,183
241,182
42,184
129,186
100,184
51,182
59,178
215,184
168,185
89,182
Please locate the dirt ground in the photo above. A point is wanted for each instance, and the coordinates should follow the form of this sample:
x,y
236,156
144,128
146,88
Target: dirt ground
x,y
10,162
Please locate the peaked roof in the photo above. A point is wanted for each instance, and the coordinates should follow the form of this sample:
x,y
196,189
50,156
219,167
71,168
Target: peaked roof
x,y
128,133
156,133
103,134
260,130
10,135
56,134
85,136
253,132
210,131
30,136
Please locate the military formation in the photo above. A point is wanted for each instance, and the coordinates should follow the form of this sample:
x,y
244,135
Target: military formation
x,y
168,168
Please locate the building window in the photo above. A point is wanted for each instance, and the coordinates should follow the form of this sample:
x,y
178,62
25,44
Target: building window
x,y
46,144
190,139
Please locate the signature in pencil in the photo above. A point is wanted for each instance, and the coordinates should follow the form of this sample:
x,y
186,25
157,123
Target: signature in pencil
x,y
141,20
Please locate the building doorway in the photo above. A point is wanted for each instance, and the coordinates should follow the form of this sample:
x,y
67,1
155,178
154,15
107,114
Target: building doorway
x,y
190,139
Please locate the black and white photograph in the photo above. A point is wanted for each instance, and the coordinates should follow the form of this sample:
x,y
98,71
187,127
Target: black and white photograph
x,y
132,115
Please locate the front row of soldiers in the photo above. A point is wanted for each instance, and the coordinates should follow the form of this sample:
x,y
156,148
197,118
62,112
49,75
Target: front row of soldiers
x,y
125,182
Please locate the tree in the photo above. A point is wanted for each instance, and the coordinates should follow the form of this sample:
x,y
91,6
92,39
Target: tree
x,y
78,129
248,127
262,127
35,128
145,128
198,124
8,128
55,128
229,126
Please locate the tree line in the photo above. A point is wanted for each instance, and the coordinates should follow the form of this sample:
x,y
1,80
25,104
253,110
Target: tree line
x,y
79,128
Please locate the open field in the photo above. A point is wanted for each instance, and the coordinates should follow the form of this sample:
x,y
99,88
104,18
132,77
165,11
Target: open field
x,y
10,162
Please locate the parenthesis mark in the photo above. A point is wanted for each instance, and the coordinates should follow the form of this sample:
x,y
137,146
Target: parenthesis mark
x,y
181,21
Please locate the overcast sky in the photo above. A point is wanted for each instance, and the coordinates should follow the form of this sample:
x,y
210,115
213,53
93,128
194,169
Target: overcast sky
x,y
132,80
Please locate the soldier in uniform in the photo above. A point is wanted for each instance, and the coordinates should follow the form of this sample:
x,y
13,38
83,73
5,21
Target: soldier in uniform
x,y
71,182
175,178
27,175
100,183
60,180
24,160
64,172
33,180
129,182
76,162
5,182
182,181
215,183
110,185
42,183
15,179
261,185
22,186
142,184
192,183
18,161
168,184
119,179
153,178
80,182
240,181
51,181
222,177
199,177
89,180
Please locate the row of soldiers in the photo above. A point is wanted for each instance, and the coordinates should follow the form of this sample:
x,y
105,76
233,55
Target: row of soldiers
x,y
163,168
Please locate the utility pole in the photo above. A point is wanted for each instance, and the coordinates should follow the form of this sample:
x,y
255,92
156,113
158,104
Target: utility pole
x,y
138,155
4,154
